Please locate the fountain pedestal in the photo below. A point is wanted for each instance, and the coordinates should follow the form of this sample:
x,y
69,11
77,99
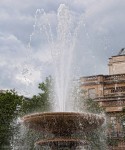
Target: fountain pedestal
x,y
62,125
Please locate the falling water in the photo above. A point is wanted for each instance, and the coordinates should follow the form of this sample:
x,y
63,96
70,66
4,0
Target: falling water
x,y
62,45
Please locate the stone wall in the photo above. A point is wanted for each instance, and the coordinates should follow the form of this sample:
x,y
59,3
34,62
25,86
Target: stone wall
x,y
117,65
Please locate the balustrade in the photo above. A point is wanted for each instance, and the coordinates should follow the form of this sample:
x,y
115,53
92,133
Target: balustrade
x,y
114,77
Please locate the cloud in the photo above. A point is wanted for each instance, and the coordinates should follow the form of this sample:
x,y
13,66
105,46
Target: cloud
x,y
100,35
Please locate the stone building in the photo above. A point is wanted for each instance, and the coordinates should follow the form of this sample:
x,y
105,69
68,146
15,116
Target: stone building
x,y
109,92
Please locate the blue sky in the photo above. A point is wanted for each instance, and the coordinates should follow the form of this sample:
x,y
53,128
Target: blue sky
x,y
101,35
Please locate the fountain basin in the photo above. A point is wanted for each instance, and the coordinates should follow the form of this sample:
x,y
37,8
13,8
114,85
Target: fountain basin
x,y
63,123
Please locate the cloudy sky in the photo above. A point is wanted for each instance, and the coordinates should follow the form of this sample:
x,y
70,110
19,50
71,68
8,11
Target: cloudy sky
x,y
25,59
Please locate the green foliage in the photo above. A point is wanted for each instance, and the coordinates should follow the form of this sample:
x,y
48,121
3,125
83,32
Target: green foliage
x,y
84,103
96,138
93,107
40,102
112,142
12,106
10,103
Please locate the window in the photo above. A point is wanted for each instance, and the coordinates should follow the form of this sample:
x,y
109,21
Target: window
x,y
91,93
114,124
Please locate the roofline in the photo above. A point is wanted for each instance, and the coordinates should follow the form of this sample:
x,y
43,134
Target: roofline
x,y
101,75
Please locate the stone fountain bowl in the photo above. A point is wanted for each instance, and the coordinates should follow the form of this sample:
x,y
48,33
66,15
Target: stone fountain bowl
x,y
63,124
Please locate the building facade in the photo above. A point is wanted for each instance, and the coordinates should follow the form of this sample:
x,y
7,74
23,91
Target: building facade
x,y
109,92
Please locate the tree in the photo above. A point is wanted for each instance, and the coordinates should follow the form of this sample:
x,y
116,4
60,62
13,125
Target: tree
x,y
10,103
97,138
40,102
13,106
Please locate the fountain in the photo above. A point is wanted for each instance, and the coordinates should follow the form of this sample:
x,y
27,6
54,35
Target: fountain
x,y
62,124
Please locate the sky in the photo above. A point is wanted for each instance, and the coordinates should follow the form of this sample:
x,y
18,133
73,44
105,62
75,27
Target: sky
x,y
25,58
